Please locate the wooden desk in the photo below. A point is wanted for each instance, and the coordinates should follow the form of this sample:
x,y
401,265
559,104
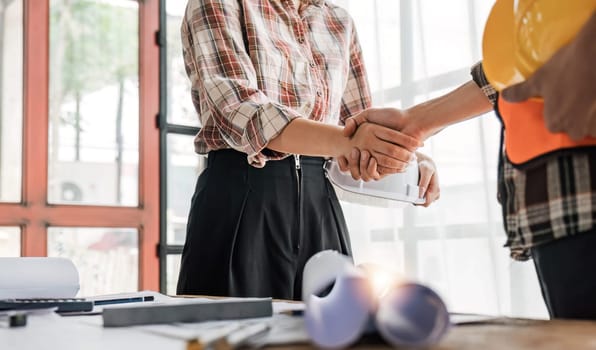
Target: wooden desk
x,y
523,334
51,331
511,334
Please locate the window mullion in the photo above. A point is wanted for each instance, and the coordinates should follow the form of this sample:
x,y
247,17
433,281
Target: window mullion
x,y
35,122
149,144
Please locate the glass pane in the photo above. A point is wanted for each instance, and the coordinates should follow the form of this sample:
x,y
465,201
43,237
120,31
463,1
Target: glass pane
x,y
173,269
11,99
184,166
468,287
374,234
180,107
378,25
94,102
466,159
107,258
10,241
441,46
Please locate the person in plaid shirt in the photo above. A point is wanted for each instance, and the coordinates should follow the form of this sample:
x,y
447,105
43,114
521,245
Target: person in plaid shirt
x,y
549,203
273,82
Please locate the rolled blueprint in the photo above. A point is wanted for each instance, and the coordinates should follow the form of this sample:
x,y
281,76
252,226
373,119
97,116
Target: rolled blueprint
x,y
412,315
341,305
322,269
338,300
38,278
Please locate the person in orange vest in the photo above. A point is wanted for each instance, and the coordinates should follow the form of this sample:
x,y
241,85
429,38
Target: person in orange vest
x,y
549,202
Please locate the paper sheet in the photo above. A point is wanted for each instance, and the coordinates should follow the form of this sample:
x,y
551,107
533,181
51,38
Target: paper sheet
x,y
284,330
38,278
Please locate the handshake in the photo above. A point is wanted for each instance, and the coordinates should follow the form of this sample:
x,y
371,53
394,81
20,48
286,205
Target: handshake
x,y
383,141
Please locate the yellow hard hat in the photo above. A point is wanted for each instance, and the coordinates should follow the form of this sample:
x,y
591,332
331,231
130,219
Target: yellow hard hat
x,y
521,35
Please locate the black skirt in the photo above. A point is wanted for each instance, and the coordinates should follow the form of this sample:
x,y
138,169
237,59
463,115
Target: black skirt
x,y
250,231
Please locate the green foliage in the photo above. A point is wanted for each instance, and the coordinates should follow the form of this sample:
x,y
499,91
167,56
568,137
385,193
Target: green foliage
x,y
93,44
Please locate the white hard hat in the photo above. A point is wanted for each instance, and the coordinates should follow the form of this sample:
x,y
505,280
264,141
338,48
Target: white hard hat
x,y
401,187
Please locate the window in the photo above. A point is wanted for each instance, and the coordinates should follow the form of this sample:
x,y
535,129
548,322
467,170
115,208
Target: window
x,y
179,104
11,99
106,258
90,188
94,106
180,165
10,241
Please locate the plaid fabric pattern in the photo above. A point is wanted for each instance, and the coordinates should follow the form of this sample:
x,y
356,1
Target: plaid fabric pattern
x,y
255,65
544,200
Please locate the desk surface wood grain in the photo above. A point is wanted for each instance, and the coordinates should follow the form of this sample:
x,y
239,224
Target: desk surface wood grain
x,y
510,334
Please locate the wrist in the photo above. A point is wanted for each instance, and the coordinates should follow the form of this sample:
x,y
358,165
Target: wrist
x,y
341,145
310,138
463,103
419,122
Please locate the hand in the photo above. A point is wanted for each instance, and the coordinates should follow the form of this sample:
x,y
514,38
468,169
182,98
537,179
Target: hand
x,y
429,180
393,118
389,148
363,166
567,83
413,121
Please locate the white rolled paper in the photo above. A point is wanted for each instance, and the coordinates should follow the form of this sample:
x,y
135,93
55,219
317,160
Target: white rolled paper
x,y
339,318
412,315
408,314
38,278
322,269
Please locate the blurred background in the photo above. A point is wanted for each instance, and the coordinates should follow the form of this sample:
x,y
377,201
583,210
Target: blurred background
x,y
414,50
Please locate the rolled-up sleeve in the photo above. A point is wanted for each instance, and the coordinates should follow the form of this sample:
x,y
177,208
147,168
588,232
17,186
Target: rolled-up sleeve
x,y
223,76
356,96
480,79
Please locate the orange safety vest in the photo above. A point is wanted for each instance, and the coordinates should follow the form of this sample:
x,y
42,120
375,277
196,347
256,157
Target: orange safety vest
x,y
526,135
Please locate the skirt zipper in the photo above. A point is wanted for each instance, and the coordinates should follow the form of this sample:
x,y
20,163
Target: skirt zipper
x,y
297,162
298,239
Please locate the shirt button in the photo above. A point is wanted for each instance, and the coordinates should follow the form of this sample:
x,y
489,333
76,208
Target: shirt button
x,y
313,65
319,93
301,40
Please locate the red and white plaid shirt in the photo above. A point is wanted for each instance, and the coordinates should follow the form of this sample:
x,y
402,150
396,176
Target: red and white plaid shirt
x,y
255,65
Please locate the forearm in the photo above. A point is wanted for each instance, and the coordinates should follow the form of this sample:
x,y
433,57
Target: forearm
x,y
463,103
311,138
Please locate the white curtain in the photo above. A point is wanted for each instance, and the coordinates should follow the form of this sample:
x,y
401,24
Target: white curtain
x,y
415,50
